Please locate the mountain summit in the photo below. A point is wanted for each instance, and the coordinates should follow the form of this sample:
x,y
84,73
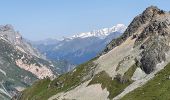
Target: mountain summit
x,y
150,29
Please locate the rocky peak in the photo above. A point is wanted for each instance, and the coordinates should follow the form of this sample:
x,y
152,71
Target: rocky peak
x,y
151,30
148,15
7,32
13,37
139,23
6,27
151,11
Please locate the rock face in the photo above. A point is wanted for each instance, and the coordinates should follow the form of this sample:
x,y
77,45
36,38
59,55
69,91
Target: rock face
x,y
155,38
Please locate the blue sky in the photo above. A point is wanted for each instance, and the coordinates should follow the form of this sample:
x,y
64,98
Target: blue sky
x,y
41,19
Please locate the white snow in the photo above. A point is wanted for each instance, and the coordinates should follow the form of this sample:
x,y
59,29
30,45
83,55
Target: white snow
x,y
138,74
3,90
19,88
102,33
3,72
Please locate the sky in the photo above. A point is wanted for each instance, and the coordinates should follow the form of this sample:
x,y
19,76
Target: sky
x,y
42,19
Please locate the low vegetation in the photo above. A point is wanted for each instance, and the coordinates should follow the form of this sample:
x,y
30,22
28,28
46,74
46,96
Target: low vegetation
x,y
156,89
114,86
38,88
44,89
129,73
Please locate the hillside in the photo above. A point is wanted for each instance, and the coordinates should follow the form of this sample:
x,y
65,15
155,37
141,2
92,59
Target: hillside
x,y
133,66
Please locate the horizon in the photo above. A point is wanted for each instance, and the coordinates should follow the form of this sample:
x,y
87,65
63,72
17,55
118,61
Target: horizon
x,y
39,20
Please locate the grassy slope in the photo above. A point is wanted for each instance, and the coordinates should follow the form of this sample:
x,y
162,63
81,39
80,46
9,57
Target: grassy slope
x,y
113,86
72,79
39,87
129,73
156,89
44,89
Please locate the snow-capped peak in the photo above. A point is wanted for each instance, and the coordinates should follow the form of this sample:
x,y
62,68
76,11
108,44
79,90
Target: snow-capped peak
x,y
102,33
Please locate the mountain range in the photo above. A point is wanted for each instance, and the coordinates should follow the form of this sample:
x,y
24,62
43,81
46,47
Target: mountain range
x,y
21,64
81,47
134,66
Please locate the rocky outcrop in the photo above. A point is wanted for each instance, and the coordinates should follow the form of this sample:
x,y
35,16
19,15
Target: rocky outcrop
x,y
154,53
155,46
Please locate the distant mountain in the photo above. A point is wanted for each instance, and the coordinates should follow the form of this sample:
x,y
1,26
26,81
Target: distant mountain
x,y
134,66
102,33
81,47
20,63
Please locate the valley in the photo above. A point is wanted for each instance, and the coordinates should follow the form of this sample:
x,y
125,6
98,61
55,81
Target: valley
x,y
131,67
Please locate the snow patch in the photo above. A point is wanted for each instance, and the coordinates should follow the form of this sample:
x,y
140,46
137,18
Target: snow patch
x,y
3,72
138,74
18,88
4,91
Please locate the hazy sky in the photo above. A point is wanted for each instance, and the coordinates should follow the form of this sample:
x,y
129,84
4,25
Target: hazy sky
x,y
40,19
